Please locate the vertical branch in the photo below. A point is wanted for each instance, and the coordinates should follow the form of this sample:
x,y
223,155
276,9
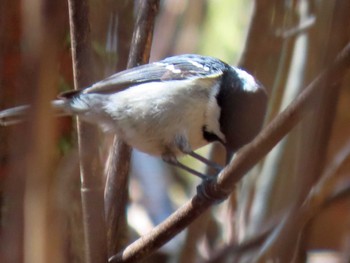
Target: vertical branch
x,y
124,31
258,196
116,191
143,33
42,239
262,62
315,133
12,142
267,57
90,168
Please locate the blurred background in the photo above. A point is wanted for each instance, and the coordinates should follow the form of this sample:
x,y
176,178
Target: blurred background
x,y
283,43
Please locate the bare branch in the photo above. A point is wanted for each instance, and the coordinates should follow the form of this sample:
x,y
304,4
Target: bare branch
x,y
302,28
90,167
323,194
237,249
116,191
326,191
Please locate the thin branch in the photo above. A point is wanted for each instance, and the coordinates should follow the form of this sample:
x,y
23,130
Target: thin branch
x,y
340,194
302,28
326,192
245,160
13,143
116,191
143,33
116,195
237,249
90,167
322,195
254,59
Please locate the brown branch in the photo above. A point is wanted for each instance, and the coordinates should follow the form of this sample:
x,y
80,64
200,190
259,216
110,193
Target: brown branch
x,y
245,160
321,196
143,33
13,143
237,249
326,191
116,191
305,25
314,133
90,167
262,62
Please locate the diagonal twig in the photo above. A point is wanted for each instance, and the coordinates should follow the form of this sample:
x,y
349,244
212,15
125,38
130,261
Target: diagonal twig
x,y
236,249
322,195
245,159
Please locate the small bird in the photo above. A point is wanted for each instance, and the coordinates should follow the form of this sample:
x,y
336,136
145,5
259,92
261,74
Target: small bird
x,y
169,108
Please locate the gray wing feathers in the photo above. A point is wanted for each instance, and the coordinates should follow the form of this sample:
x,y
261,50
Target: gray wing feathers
x,y
170,69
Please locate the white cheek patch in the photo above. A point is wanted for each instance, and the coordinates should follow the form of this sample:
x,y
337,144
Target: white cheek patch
x,y
249,83
213,114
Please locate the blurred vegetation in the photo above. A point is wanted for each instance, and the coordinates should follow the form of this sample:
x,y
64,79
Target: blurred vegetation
x,y
284,43
224,29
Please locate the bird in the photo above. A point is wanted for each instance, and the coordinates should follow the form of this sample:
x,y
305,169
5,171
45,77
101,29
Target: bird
x,y
169,108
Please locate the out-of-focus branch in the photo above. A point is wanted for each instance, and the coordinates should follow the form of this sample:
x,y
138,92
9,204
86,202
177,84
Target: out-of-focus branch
x,y
116,194
245,159
315,131
116,191
326,191
295,164
90,167
323,194
12,142
302,28
143,33
238,249
264,62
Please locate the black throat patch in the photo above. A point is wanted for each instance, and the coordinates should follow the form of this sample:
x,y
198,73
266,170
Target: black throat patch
x,y
209,136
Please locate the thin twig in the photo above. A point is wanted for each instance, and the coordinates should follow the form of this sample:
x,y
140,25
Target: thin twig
x,y
328,181
90,167
116,191
237,249
245,159
13,143
302,28
326,191
322,195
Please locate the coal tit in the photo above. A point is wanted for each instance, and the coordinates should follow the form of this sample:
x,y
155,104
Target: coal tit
x,y
169,108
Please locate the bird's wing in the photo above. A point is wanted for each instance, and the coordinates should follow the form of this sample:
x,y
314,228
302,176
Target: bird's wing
x,y
172,68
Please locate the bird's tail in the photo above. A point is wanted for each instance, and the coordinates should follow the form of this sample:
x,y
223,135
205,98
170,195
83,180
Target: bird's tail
x,y
20,113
